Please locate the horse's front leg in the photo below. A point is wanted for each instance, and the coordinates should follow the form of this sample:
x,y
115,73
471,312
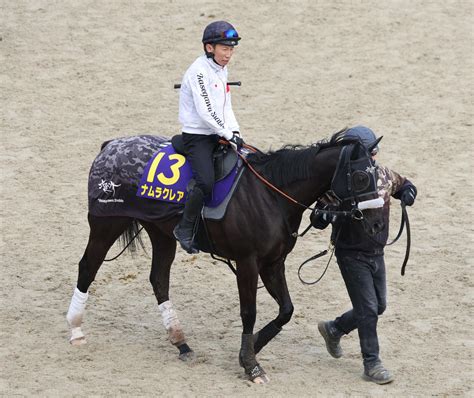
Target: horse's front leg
x,y
247,278
274,279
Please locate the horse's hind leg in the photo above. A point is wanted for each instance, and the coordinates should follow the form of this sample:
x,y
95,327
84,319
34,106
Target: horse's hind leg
x,y
104,231
273,277
164,250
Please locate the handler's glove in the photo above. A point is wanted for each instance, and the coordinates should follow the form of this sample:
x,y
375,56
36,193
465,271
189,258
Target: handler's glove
x,y
408,196
236,142
321,220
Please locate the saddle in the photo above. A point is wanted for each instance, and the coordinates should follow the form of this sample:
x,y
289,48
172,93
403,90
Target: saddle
x,y
224,158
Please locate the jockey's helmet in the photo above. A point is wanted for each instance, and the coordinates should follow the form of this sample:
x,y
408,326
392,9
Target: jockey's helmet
x,y
220,32
365,135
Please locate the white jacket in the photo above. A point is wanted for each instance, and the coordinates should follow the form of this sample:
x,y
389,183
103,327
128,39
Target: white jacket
x,y
205,106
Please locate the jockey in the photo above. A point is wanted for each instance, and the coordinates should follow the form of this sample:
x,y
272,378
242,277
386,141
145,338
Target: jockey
x,y
359,249
205,112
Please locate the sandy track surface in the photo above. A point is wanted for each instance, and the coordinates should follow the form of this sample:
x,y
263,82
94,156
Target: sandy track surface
x,y
74,74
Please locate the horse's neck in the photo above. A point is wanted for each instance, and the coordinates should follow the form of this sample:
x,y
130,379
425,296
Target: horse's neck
x,y
309,190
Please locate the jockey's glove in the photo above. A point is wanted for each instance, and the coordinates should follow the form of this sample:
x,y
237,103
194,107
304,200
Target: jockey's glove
x,y
236,142
408,196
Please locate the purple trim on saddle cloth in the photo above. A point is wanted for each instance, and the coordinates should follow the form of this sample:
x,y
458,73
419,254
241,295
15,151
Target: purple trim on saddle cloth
x,y
222,189
167,175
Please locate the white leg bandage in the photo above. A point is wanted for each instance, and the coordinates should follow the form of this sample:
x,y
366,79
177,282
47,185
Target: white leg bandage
x,y
170,318
76,308
171,322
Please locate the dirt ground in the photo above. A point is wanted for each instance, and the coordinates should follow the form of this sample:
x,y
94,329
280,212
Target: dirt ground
x,y
74,74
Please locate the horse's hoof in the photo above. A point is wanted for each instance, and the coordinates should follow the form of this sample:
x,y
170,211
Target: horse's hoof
x,y
187,356
261,379
77,342
257,375
185,353
77,337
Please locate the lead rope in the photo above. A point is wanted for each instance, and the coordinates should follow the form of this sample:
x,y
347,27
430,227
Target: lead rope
x,y
320,254
402,225
407,252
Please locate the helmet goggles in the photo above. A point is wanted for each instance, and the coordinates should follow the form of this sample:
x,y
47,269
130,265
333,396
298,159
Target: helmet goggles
x,y
230,34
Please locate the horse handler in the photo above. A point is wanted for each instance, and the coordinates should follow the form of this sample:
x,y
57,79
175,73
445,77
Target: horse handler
x,y
359,249
205,112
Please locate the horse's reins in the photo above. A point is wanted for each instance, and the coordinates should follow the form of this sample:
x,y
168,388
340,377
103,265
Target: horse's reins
x,y
268,183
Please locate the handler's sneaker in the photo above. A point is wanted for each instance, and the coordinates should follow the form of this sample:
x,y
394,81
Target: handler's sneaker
x,y
332,343
378,374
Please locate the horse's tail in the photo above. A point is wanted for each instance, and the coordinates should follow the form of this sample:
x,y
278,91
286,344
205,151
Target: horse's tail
x,y
131,238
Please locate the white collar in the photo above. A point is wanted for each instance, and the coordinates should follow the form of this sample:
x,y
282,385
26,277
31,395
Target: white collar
x,y
214,65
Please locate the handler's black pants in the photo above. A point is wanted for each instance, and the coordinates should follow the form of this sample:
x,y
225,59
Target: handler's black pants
x,y
199,149
365,281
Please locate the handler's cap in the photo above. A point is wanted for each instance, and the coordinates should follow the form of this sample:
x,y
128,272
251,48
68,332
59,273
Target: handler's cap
x,y
366,136
221,32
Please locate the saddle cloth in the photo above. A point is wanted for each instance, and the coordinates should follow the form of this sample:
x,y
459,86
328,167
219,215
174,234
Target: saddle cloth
x,y
121,169
168,174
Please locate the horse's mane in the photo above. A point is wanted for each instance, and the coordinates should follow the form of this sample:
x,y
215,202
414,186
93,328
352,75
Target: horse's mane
x,y
293,162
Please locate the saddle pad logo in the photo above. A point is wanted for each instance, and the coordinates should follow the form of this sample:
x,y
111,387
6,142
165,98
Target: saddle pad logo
x,y
165,177
108,186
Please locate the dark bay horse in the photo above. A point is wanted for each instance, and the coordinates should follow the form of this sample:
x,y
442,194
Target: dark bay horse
x,y
256,233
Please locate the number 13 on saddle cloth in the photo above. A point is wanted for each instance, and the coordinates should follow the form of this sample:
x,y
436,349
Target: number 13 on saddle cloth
x,y
165,177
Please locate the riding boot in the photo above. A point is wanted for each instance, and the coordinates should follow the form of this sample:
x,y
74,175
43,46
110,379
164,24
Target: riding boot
x,y
184,232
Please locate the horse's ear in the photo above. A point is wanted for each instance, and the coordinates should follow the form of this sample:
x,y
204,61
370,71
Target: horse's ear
x,y
374,144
